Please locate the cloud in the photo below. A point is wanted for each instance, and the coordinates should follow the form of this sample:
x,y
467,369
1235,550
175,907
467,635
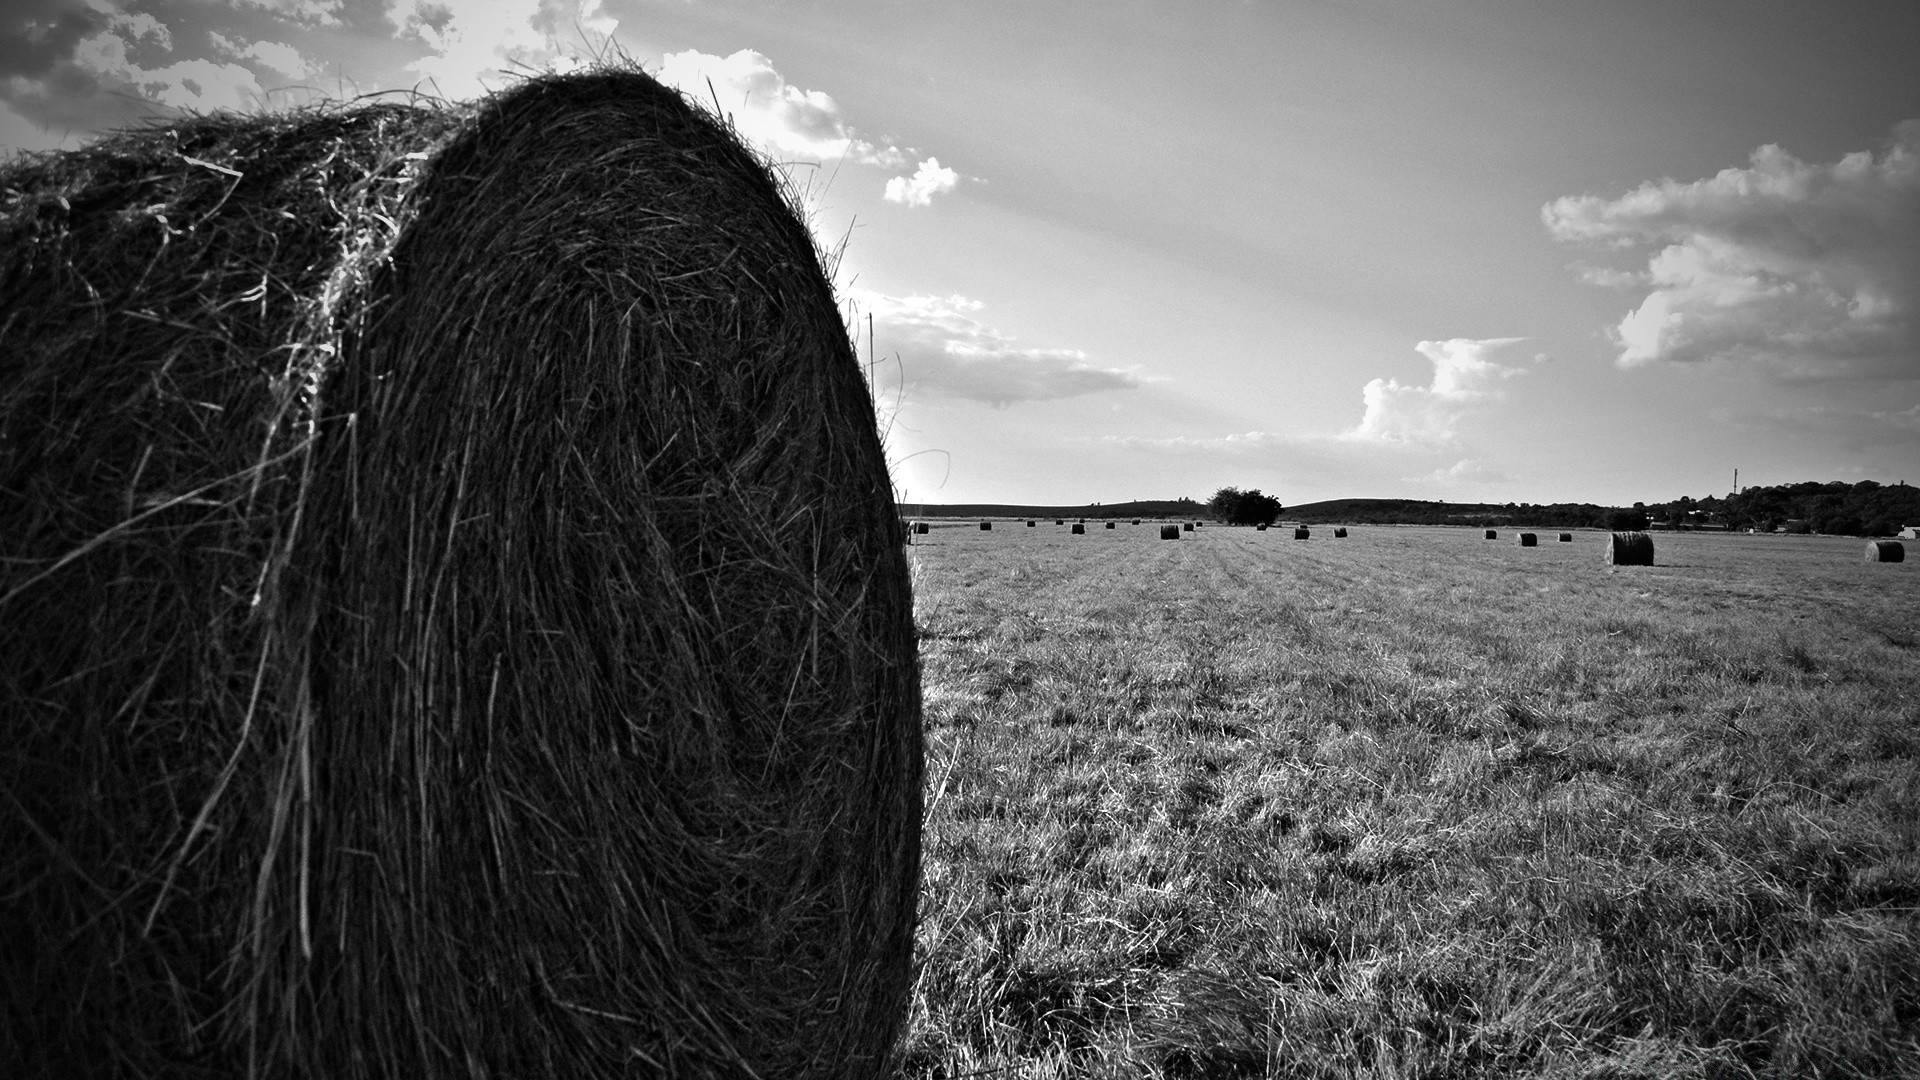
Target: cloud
x,y
474,43
930,179
284,59
1463,378
305,12
767,109
943,349
1797,268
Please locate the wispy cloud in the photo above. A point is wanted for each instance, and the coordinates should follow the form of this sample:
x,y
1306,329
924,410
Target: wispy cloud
x,y
930,179
1803,269
768,109
943,349
471,46
277,56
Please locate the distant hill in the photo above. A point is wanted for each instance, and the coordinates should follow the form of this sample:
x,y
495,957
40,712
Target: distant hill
x,y
1186,508
1420,512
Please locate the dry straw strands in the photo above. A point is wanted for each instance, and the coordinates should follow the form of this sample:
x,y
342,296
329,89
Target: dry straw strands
x,y
450,614
1302,533
1169,532
1630,549
1886,551
1529,540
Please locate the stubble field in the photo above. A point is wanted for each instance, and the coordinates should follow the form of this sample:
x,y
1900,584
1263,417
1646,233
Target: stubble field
x,y
1415,803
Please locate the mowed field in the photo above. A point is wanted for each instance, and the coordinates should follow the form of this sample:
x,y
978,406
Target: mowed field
x,y
1415,803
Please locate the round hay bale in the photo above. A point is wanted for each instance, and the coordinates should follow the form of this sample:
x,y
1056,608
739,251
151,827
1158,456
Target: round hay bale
x,y
1566,538
1136,521
1186,526
1059,521
1079,529
1109,524
1029,524
1169,532
1340,534
1493,534
1630,549
920,527
450,613
1261,527
1529,540
1302,533
986,526
1886,551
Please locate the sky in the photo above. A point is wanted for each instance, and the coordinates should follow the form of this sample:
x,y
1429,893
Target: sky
x,y
1102,250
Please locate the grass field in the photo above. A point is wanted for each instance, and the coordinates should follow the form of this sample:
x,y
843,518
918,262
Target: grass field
x,y
1415,803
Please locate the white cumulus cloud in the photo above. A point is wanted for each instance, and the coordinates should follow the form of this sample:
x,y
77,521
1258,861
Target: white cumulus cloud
x,y
1464,377
769,110
943,348
279,57
930,179
473,44
1803,269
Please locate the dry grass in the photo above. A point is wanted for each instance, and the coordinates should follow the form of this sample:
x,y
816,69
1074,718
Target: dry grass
x,y
1415,805
450,607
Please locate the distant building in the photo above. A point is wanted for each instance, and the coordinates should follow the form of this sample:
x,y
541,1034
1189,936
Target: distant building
x,y
1911,532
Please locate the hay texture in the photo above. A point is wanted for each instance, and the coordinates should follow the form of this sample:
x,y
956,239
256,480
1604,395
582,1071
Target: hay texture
x,y
1630,549
451,618
1169,532
1529,539
1886,551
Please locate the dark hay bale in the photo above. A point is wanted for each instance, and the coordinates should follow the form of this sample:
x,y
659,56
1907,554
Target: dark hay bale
x,y
1029,524
1886,551
1340,534
1302,533
1529,540
1169,532
1059,521
1136,521
1079,529
1261,527
1493,534
986,526
920,527
450,615
1109,524
1630,549
1566,538
1187,526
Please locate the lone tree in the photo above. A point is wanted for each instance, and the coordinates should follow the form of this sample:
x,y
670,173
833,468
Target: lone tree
x,y
1236,507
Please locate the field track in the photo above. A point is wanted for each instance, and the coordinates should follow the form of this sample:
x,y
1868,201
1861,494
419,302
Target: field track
x,y
1416,803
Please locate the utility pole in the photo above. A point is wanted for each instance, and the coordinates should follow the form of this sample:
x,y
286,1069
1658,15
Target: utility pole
x,y
1736,481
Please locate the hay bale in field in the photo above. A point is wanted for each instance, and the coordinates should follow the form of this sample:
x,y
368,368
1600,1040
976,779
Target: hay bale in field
x,y
1566,538
1109,524
1136,521
1886,551
450,614
1630,549
1260,527
1493,534
1340,534
1059,521
1529,540
920,527
986,526
1302,533
1029,523
1169,532
1079,529
1186,526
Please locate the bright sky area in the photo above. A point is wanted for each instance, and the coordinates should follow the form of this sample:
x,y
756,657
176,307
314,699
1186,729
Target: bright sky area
x,y
1116,249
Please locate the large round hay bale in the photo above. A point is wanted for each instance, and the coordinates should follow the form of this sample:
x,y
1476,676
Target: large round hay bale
x,y
1302,533
986,526
1529,539
1169,532
1566,538
448,604
1340,534
1493,534
1109,524
1630,549
1260,527
1030,523
1079,529
1186,526
920,527
1886,551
